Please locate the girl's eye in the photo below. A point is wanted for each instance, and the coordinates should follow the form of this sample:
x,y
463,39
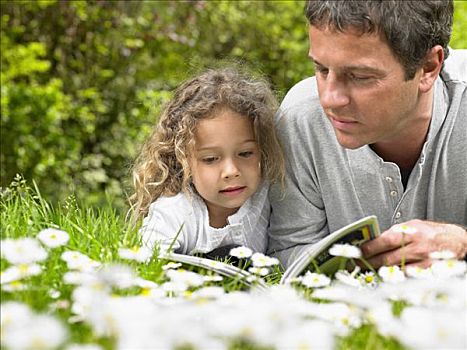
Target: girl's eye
x,y
209,160
246,154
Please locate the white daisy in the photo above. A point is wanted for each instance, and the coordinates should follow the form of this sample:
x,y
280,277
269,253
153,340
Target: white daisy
x,y
347,278
442,255
241,252
391,274
140,254
13,314
145,284
171,265
53,238
449,268
16,286
308,334
368,279
213,278
79,277
428,329
174,287
260,271
189,278
155,293
117,275
253,279
78,261
22,251
261,260
39,330
76,346
315,280
418,272
208,293
344,317
382,316
345,250
17,272
403,228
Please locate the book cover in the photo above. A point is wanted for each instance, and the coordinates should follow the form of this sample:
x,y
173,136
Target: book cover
x,y
318,254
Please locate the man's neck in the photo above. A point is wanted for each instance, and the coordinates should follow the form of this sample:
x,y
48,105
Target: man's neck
x,y
405,155
405,148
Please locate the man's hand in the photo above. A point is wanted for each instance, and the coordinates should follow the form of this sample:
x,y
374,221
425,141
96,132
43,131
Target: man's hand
x,y
413,241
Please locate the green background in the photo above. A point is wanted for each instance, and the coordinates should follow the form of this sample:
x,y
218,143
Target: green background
x,y
82,82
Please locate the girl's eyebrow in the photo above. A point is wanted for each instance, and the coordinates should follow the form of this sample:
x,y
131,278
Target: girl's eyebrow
x,y
210,148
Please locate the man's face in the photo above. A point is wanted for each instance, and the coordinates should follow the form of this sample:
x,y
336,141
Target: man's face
x,y
362,88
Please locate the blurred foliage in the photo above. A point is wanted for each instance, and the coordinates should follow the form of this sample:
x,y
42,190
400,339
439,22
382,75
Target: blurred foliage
x,y
459,32
82,81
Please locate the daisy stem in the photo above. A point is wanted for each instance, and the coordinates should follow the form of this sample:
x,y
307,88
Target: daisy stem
x,y
315,265
403,252
342,262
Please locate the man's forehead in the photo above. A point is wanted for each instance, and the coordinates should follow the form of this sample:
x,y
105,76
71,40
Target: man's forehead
x,y
360,51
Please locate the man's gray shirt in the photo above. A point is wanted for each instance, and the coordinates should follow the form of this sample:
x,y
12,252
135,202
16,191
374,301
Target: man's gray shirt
x,y
328,186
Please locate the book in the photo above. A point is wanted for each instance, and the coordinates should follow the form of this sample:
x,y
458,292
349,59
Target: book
x,y
223,269
315,255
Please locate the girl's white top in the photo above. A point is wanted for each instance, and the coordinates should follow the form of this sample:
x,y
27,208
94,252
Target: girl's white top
x,y
189,215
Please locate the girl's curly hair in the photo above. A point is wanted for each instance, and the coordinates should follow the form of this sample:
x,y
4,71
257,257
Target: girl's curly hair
x,y
163,168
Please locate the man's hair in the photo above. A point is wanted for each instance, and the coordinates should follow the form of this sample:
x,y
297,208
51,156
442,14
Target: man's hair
x,y
411,28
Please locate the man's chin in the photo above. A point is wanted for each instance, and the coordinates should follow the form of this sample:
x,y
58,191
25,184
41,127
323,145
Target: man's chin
x,y
350,143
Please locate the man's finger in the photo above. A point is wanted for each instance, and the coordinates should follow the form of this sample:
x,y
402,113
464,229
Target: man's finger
x,y
387,241
397,257
423,264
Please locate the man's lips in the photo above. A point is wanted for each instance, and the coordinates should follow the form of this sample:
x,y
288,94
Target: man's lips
x,y
233,190
339,123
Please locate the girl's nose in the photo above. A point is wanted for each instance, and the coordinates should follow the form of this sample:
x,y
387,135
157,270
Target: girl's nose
x,y
230,169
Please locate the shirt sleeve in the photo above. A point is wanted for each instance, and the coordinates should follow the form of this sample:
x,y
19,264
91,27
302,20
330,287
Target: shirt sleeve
x,y
297,219
298,216
160,227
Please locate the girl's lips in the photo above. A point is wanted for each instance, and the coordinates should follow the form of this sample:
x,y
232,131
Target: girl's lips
x,y
233,190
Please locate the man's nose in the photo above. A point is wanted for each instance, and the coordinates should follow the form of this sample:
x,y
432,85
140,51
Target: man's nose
x,y
230,169
333,92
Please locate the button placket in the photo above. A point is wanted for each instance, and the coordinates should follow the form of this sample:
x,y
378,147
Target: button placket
x,y
393,190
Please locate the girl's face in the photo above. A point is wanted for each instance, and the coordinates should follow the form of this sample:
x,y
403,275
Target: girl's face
x,y
225,164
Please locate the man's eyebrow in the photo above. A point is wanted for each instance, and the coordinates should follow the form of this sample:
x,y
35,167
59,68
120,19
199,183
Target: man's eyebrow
x,y
356,67
312,59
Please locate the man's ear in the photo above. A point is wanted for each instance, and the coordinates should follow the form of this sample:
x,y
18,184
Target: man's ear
x,y
431,67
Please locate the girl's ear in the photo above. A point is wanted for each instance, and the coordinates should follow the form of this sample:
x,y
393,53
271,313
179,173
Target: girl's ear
x,y
431,67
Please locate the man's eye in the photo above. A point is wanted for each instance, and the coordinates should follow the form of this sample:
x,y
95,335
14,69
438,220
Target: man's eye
x,y
361,78
246,154
321,70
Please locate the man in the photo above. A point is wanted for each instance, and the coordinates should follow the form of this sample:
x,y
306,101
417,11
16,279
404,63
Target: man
x,y
381,129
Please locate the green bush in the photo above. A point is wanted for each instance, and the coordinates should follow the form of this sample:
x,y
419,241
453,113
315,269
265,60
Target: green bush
x,y
82,82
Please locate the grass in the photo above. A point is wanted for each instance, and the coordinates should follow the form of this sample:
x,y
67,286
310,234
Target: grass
x,y
98,233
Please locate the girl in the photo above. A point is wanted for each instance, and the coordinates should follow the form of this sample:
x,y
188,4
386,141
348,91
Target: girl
x,y
202,178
